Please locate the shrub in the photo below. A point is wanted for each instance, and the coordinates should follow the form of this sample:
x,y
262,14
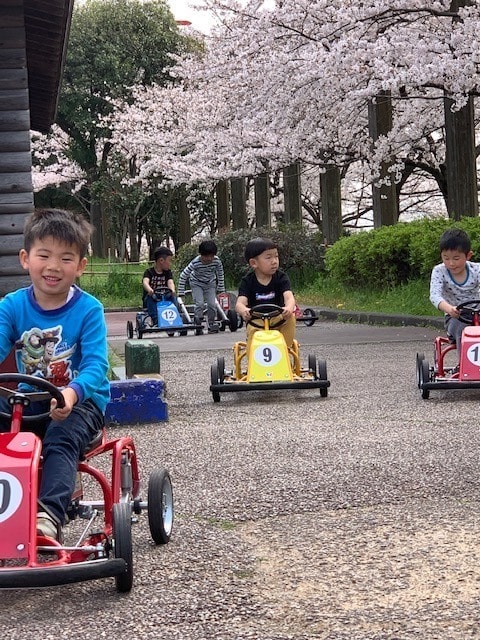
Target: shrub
x,y
301,253
393,255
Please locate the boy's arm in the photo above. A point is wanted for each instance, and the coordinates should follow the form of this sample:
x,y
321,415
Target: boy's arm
x,y
241,307
182,281
220,277
436,294
147,287
171,285
289,302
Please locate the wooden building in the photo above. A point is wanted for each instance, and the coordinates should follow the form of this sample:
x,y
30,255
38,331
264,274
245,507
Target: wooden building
x,y
33,39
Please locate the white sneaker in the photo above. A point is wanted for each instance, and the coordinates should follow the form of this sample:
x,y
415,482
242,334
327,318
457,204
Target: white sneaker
x,y
46,526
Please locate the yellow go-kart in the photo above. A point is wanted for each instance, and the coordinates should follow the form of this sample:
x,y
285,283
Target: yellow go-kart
x,y
269,364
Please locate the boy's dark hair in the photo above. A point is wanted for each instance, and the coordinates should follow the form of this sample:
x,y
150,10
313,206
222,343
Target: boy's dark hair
x,y
256,246
455,239
162,252
65,226
207,248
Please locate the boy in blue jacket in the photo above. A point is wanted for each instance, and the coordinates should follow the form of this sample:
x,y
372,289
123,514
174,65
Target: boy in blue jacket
x,y
59,333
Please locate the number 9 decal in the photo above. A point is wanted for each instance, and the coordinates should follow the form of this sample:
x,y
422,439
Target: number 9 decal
x,y
10,495
267,355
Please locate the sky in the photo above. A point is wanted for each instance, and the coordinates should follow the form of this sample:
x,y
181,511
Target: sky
x,y
182,10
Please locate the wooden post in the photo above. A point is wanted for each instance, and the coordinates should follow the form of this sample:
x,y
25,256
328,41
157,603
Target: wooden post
x,y
331,198
239,203
223,214
263,215
385,204
292,194
16,189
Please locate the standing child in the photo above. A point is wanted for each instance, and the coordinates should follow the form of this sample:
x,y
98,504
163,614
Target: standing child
x,y
158,276
206,277
455,280
60,331
265,284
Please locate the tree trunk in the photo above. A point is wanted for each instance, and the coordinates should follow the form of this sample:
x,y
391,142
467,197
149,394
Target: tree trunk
x,y
292,194
385,204
331,204
263,216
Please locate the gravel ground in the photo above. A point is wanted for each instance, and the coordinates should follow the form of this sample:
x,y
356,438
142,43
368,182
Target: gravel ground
x,y
350,517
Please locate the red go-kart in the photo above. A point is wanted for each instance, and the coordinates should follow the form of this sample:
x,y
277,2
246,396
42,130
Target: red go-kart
x,y
103,545
465,375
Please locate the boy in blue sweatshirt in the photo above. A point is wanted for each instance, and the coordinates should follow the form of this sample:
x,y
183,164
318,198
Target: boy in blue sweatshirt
x,y
59,333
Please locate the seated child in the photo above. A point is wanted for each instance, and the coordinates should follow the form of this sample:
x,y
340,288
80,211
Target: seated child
x,y
455,280
265,284
157,277
206,277
59,333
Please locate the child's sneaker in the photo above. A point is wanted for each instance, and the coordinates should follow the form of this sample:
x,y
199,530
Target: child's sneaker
x,y
47,526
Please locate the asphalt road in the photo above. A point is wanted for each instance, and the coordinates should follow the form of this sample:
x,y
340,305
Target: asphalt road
x,y
350,517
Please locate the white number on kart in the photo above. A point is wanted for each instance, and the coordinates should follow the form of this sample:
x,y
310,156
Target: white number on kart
x,y
10,495
473,354
169,315
267,355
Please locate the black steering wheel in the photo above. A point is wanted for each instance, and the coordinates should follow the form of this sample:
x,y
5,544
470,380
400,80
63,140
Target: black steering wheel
x,y
48,391
160,292
264,311
468,309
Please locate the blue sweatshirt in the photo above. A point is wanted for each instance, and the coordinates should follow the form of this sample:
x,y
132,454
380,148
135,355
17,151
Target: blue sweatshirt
x,y
67,346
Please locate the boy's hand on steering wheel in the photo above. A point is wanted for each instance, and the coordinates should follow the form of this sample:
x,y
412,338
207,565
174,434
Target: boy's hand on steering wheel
x,y
70,397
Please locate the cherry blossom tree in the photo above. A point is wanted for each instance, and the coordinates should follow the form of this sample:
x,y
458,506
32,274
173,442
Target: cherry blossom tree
x,y
290,81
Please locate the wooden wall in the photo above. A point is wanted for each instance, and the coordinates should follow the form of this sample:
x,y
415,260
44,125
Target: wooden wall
x,y
16,191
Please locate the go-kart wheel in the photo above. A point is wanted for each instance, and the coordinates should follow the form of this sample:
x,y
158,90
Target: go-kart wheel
x,y
215,379
425,377
160,506
322,375
312,365
183,332
48,391
221,369
232,316
139,328
122,541
170,334
222,325
309,313
129,329
420,358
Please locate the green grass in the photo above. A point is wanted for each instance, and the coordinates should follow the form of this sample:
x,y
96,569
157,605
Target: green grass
x,y
118,286
411,298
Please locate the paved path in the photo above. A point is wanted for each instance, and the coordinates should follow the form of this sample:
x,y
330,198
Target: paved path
x,y
354,517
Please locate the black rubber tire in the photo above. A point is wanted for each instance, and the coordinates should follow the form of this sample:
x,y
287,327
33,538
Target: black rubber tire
x,y
221,369
233,321
222,325
183,332
312,365
170,334
322,375
122,539
309,312
160,506
215,379
129,329
425,377
420,358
